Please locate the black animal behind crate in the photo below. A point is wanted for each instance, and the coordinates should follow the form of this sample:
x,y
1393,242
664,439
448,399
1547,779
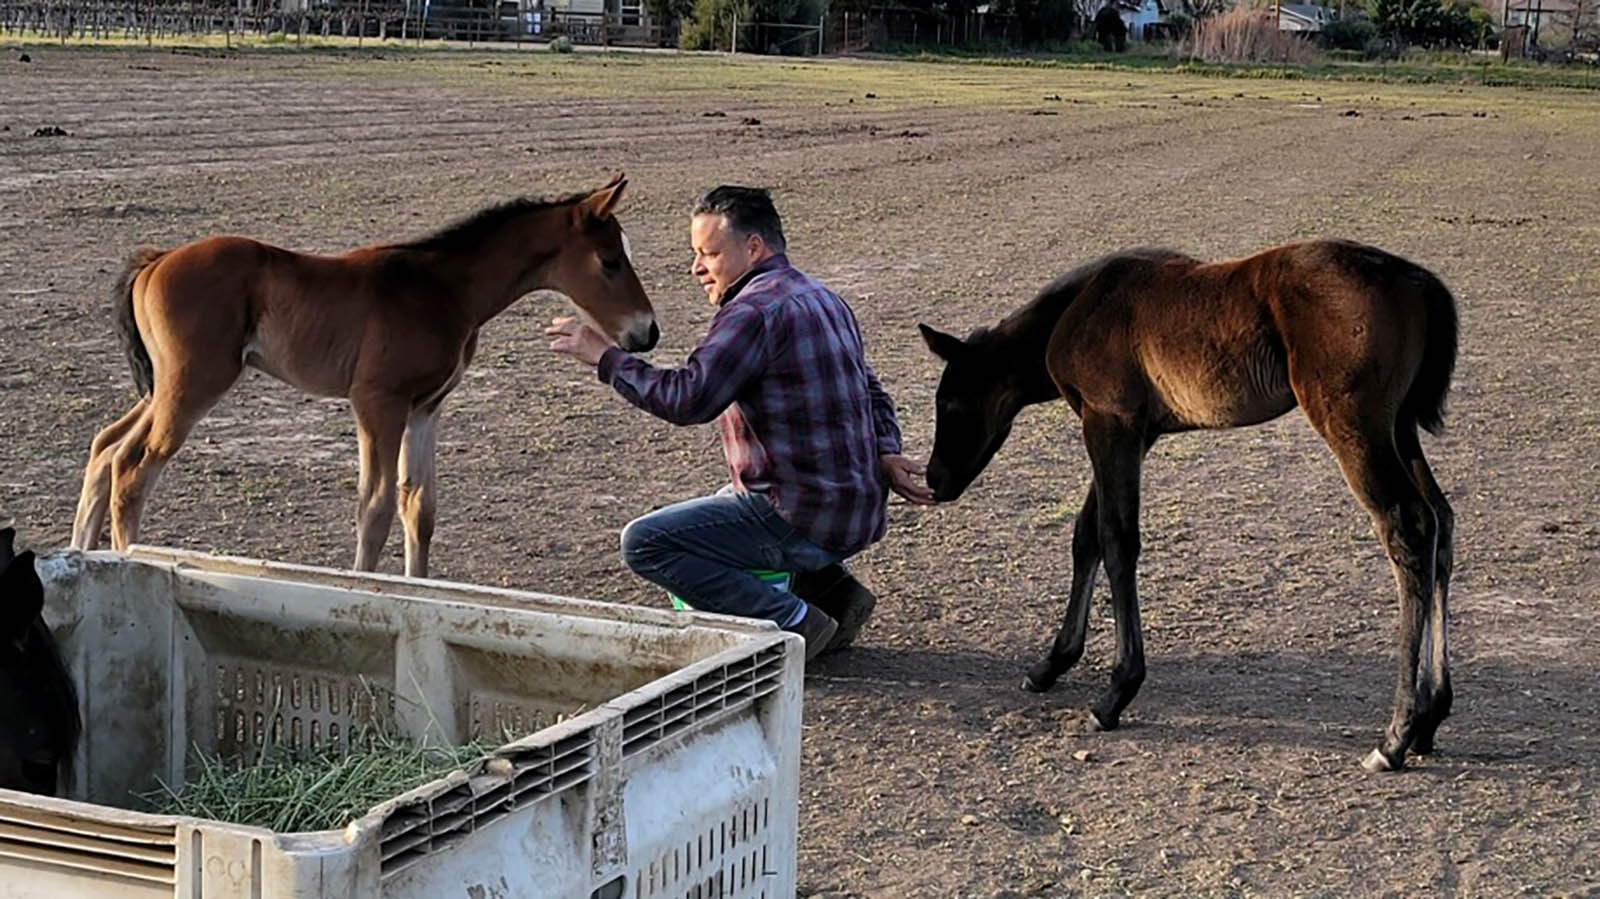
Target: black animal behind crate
x,y
1151,342
39,721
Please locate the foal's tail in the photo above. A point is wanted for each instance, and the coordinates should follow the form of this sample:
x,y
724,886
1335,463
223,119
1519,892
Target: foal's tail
x,y
1425,400
144,376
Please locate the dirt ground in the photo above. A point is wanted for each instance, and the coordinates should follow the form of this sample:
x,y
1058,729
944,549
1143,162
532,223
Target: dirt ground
x,y
944,194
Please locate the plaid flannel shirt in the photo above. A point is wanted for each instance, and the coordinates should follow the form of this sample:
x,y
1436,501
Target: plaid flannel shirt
x,y
802,415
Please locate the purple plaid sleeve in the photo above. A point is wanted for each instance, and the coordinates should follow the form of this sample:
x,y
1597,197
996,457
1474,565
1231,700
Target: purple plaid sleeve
x,y
712,377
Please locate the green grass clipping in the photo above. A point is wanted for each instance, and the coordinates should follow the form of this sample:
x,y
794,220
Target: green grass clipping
x,y
310,791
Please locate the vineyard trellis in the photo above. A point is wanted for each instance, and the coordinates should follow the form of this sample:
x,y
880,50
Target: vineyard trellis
x,y
469,20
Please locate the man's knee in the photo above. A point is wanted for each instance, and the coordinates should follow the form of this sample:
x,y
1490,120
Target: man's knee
x,y
640,544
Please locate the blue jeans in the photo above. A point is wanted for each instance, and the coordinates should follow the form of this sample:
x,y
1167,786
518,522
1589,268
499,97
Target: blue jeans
x,y
703,550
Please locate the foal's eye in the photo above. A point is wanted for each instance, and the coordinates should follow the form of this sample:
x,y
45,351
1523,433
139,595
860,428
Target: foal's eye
x,y
611,266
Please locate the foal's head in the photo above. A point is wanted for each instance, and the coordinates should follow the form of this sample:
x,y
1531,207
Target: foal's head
x,y
38,705
979,396
594,268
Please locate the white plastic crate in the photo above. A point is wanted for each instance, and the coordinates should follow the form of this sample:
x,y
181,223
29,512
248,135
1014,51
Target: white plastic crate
x,y
679,779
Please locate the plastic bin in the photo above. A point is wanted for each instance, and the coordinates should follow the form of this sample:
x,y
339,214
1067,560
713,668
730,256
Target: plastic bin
x,y
677,776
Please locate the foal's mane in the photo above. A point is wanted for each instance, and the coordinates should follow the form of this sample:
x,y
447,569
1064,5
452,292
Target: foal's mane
x,y
1039,315
474,229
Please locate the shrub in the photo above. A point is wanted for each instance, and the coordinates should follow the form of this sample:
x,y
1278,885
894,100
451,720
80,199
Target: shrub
x,y
562,44
1353,33
1245,34
707,25
1431,23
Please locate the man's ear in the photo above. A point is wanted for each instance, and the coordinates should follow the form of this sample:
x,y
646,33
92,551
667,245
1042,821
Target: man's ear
x,y
756,246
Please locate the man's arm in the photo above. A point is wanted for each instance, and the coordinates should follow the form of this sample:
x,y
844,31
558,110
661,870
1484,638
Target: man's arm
x,y
732,353
885,424
907,476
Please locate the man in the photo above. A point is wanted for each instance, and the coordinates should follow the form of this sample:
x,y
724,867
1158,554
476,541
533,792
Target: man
x,y
810,435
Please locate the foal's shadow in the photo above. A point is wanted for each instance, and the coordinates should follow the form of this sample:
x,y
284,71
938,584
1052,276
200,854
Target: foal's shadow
x,y
1327,702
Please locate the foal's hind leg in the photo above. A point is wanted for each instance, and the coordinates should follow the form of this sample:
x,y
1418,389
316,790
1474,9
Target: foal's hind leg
x,y
381,424
1068,646
1434,668
96,496
152,440
418,496
1408,528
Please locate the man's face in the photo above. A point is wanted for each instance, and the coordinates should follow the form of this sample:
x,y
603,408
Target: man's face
x,y
721,255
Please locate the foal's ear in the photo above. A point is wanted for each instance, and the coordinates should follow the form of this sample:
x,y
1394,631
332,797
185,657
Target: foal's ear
x,y
604,200
946,346
21,597
6,536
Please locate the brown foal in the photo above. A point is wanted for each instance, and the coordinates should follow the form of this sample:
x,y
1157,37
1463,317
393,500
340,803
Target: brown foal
x,y
392,327
1150,342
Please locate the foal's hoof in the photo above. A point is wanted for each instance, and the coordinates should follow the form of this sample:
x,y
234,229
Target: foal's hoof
x,y
1079,722
1039,679
1376,761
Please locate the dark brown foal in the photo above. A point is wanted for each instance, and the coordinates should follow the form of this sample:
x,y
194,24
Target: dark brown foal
x,y
1151,342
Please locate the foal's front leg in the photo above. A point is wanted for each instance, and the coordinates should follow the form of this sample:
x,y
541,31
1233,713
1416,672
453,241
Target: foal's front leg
x,y
1068,646
418,496
380,424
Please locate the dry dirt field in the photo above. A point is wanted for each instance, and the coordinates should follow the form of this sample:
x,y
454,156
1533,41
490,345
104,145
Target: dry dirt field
x,y
945,194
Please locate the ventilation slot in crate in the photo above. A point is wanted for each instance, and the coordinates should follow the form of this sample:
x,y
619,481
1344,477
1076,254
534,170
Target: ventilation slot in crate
x,y
133,854
730,687
263,707
513,778
729,861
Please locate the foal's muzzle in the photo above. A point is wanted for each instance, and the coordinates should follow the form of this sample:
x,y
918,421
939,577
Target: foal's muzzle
x,y
944,483
642,335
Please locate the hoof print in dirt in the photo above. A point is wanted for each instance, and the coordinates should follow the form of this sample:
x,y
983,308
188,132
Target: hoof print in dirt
x,y
749,120
24,58
50,131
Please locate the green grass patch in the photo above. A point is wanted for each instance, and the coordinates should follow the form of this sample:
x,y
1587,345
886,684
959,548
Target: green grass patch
x,y
1418,68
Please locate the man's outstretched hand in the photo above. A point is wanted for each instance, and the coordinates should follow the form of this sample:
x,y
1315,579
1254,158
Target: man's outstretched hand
x,y
907,477
577,340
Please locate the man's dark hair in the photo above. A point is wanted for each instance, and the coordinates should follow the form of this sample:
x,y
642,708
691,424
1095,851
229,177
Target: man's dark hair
x,y
749,210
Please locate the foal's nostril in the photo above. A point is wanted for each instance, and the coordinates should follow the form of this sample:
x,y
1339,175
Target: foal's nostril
x,y
942,482
639,338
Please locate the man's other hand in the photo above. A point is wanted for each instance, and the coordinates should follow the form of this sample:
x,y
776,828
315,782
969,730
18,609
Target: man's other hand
x,y
907,477
577,340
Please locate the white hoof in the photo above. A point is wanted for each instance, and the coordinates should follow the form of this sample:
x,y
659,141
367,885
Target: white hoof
x,y
1376,761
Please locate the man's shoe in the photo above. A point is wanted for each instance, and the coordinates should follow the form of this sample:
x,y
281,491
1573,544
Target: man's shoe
x,y
835,591
817,627
857,603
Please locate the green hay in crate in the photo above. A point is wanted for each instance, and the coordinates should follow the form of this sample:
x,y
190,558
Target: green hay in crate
x,y
313,792
778,580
